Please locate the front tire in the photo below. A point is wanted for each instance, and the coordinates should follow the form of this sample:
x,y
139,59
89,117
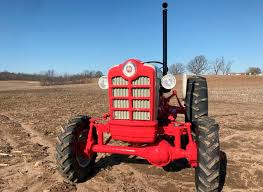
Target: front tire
x,y
71,160
208,171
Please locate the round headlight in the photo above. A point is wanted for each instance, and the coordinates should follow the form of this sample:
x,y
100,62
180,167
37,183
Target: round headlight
x,y
129,69
168,81
103,82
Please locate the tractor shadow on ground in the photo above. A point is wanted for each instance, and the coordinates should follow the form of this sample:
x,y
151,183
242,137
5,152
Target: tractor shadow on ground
x,y
223,170
175,166
116,159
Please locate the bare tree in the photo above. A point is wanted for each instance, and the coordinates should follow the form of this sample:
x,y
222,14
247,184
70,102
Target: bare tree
x,y
198,65
86,73
218,65
226,67
50,73
98,74
254,70
177,68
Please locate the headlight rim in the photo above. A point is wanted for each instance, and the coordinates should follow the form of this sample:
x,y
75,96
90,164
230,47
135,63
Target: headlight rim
x,y
102,80
167,77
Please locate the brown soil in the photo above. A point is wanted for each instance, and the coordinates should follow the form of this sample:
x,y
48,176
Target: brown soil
x,y
31,116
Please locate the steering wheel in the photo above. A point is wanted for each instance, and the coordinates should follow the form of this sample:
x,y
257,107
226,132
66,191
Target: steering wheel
x,y
157,62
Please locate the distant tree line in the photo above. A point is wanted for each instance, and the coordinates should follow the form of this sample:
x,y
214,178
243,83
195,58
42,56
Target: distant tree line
x,y
5,76
50,77
200,65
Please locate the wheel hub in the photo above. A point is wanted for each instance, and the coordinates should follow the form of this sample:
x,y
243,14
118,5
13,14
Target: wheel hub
x,y
82,159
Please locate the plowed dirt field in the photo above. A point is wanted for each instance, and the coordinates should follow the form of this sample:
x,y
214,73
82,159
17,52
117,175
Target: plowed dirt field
x,y
31,116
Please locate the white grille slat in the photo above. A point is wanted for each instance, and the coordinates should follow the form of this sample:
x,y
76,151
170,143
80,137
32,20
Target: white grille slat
x,y
120,92
141,104
119,81
121,114
140,92
141,81
141,115
120,103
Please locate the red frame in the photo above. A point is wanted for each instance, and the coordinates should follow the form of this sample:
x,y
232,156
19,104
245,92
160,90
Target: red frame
x,y
157,150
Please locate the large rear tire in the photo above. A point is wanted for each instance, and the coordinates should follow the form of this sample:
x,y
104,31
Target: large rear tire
x,y
208,171
71,160
196,101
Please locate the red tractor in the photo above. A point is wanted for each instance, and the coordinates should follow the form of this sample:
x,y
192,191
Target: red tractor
x,y
140,115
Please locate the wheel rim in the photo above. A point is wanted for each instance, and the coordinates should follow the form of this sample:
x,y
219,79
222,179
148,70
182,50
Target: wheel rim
x,y
82,159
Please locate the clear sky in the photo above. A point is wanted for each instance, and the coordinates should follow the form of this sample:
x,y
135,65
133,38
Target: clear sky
x,y
74,35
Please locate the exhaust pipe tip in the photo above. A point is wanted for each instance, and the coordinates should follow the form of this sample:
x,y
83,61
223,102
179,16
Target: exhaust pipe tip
x,y
165,67
165,5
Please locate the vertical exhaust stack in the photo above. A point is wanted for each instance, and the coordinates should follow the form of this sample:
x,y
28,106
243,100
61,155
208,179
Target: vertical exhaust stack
x,y
165,67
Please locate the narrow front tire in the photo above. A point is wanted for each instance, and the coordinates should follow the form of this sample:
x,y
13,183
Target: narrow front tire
x,y
72,162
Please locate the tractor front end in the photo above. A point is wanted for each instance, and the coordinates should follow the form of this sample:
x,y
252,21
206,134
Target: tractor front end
x,y
136,105
142,118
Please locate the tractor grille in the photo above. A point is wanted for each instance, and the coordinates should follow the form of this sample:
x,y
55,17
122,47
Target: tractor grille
x,y
134,106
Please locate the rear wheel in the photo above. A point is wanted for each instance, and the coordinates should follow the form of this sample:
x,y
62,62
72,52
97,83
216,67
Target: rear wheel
x,y
72,162
196,101
208,171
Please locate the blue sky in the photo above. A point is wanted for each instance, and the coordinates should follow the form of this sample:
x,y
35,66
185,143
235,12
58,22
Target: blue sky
x,y
72,36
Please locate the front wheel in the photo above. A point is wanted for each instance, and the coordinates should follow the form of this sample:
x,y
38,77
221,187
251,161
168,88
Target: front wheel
x,y
72,162
208,170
